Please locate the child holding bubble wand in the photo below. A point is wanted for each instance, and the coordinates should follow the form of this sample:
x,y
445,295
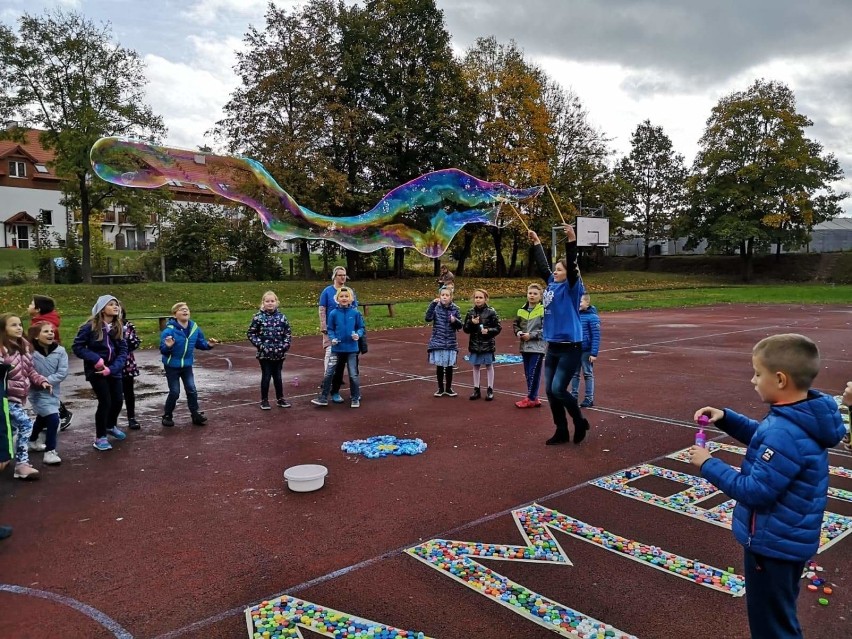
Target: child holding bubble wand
x,y
443,346
483,325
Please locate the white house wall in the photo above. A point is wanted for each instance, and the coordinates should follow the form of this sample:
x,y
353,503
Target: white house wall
x,y
15,200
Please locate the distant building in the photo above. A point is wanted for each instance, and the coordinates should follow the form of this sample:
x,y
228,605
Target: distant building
x,y
30,194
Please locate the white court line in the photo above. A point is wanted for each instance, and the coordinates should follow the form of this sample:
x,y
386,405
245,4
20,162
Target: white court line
x,y
93,613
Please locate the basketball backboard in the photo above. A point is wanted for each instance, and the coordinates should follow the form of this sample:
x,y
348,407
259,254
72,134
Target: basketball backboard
x,y
592,231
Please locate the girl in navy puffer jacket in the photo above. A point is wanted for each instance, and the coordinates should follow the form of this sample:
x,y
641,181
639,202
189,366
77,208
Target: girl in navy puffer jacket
x,y
443,346
270,334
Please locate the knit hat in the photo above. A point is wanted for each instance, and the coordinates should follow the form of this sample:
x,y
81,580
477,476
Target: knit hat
x,y
100,305
43,303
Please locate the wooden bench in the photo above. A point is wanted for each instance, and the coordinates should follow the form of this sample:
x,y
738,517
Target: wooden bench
x,y
110,277
367,305
162,319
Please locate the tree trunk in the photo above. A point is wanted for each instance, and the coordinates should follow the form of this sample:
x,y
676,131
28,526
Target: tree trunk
x,y
647,263
465,252
436,267
305,259
351,263
86,238
497,236
398,262
513,260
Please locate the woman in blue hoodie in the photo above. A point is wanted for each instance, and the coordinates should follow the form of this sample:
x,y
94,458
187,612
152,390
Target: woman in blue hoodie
x,y
178,342
563,334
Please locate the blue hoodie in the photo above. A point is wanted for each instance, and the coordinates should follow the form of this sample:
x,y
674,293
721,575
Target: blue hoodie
x,y
782,487
591,323
561,299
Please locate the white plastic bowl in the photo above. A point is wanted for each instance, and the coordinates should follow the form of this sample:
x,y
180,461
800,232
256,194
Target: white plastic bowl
x,y
305,478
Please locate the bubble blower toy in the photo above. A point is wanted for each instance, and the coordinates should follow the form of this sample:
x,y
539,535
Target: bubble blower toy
x,y
701,436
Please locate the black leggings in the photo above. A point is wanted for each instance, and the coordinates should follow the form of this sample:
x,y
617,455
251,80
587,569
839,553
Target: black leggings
x,y
127,383
271,369
442,372
108,391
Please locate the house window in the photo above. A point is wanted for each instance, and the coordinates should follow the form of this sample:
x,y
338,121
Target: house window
x,y
17,169
46,217
40,168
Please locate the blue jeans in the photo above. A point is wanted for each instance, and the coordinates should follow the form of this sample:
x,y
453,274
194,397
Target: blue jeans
x,y
336,363
560,362
175,376
588,369
532,372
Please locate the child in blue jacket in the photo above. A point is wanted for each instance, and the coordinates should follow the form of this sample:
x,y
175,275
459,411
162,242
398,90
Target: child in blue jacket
x,y
591,323
178,342
782,486
345,327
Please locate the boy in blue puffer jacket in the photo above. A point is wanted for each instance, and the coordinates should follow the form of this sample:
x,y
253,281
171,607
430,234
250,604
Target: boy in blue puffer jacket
x,y
345,327
178,342
591,323
782,487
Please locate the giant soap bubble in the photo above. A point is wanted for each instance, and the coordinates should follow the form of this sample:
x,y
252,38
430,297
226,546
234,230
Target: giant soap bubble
x,y
424,214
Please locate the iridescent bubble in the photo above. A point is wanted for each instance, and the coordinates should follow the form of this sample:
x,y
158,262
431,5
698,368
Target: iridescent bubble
x,y
424,214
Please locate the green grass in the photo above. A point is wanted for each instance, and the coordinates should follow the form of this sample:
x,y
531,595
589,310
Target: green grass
x,y
224,309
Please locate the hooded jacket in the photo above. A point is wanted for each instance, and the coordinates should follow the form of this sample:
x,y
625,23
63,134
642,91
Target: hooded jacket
x,y
91,347
561,300
530,321
591,323
782,487
482,342
52,362
7,452
182,352
22,375
443,330
342,322
270,333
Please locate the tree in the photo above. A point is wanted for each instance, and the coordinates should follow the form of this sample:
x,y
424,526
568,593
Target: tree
x,y
63,74
413,90
654,179
757,177
194,241
513,135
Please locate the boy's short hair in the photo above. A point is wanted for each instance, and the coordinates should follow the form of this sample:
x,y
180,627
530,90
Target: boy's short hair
x,y
790,353
344,289
586,296
536,287
177,305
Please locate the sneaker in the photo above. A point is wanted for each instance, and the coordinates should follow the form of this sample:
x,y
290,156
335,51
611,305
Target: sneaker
x,y
536,403
51,458
355,403
5,532
336,398
168,421
450,393
199,419
524,403
25,472
587,403
489,395
117,433
319,401
65,422
264,405
580,431
439,393
282,403
102,443
36,446
132,424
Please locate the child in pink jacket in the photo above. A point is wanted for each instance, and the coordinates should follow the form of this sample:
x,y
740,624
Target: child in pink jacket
x,y
18,353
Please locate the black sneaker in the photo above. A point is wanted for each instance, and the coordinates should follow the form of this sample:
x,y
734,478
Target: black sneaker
x,y
199,419
587,403
65,421
264,405
168,421
580,431
132,424
450,393
438,393
489,394
558,438
282,403
5,532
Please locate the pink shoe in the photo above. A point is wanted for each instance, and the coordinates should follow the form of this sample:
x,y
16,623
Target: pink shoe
x,y
25,472
524,403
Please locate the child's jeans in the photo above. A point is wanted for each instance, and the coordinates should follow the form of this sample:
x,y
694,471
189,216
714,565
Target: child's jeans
x,y
175,376
349,360
23,428
49,424
532,372
772,588
587,367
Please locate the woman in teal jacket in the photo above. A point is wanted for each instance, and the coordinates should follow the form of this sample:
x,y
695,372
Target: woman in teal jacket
x,y
178,342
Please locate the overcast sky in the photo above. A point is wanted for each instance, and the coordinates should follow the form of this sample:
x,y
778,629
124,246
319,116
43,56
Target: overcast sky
x,y
628,60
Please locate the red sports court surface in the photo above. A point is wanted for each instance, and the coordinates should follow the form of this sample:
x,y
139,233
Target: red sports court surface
x,y
175,532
